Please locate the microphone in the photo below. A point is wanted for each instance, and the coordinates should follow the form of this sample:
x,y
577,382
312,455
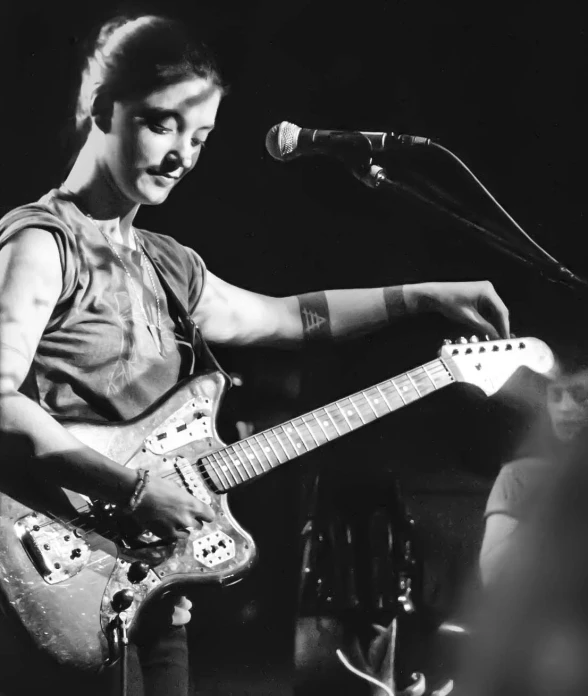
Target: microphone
x,y
286,141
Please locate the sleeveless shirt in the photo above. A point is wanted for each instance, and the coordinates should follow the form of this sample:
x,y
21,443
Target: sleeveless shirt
x,y
97,359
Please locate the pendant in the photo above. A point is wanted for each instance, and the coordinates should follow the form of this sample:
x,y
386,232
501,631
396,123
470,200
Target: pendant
x,y
156,335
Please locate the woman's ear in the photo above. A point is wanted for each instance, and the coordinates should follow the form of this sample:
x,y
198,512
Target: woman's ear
x,y
102,108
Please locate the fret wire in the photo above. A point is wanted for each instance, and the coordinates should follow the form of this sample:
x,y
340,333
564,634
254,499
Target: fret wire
x,y
424,379
355,407
292,441
222,464
398,390
384,397
320,425
262,448
229,465
215,468
344,414
248,459
269,442
413,384
274,433
238,467
248,441
317,421
365,396
209,467
332,421
219,472
309,430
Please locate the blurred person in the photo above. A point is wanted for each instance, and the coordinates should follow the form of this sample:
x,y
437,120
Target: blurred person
x,y
523,481
530,630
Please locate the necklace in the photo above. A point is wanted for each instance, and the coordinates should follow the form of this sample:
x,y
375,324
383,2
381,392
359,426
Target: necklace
x,y
154,330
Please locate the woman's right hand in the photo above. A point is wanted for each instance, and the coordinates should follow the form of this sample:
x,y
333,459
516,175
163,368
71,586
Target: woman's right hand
x,y
168,510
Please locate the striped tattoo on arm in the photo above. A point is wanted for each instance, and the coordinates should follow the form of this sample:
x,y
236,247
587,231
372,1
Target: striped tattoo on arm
x,y
314,312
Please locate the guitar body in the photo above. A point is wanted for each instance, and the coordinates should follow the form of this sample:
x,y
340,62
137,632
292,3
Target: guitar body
x,y
58,578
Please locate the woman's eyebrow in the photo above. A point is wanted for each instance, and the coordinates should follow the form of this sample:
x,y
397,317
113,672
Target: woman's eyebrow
x,y
162,113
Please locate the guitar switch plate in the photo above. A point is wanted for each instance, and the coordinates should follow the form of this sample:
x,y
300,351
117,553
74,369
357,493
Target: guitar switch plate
x,y
189,423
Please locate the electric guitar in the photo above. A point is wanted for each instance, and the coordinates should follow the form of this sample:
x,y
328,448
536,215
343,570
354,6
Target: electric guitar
x,y
67,575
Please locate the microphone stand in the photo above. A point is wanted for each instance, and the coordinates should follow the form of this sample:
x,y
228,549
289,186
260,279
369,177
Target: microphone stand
x,y
374,176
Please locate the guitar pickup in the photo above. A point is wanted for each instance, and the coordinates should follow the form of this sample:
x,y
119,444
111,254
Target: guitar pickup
x,y
176,435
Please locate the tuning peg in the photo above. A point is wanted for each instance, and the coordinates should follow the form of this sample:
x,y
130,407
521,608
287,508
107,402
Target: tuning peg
x,y
463,339
486,337
474,339
447,342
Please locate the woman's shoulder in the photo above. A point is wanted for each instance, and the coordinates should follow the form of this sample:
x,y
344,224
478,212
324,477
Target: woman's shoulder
x,y
48,212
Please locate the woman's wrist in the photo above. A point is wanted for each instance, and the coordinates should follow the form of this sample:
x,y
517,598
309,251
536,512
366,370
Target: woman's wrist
x,y
419,298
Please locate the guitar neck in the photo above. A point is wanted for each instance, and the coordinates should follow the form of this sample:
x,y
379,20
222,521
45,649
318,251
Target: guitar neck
x,y
244,461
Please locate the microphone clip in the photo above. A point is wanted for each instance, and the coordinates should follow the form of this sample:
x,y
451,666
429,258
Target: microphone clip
x,y
372,175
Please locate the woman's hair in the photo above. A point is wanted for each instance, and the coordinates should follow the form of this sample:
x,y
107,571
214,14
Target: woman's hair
x,y
133,57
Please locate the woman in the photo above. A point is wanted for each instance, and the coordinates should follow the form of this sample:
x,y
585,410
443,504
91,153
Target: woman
x,y
87,328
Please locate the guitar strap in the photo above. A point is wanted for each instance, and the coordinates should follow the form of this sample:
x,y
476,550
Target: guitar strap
x,y
191,330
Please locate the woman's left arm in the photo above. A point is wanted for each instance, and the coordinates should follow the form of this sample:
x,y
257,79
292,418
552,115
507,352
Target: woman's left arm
x,y
231,315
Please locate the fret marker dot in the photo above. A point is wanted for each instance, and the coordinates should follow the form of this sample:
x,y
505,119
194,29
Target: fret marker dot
x,y
404,388
288,429
350,412
224,467
251,456
298,445
266,449
376,401
325,423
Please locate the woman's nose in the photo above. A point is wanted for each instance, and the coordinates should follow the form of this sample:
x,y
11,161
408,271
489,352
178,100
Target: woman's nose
x,y
186,152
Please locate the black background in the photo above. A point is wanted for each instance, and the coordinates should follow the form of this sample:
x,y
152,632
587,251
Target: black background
x,y
502,86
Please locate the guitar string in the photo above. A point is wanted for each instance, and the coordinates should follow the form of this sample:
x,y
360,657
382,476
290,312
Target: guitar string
x,y
436,365
437,368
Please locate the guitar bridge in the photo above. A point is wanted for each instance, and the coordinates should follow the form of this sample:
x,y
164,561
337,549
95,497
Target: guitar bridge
x,y
58,553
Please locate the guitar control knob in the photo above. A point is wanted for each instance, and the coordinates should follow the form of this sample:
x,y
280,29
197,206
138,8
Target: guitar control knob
x,y
447,342
138,571
463,339
474,339
122,600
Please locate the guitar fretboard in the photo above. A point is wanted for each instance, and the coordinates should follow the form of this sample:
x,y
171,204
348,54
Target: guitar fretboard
x,y
245,460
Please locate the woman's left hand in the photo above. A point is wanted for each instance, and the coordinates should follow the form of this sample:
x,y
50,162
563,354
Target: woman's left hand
x,y
474,303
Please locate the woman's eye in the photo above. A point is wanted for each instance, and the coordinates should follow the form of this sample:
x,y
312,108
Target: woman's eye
x,y
198,143
158,128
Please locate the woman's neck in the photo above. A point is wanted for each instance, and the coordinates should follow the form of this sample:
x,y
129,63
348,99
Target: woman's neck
x,y
97,196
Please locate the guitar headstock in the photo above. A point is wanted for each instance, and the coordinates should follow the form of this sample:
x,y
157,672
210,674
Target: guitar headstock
x,y
489,364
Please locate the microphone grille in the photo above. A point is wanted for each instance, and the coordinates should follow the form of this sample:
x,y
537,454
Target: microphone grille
x,y
281,140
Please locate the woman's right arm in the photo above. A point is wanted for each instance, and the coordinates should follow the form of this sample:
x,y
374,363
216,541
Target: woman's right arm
x,y
30,285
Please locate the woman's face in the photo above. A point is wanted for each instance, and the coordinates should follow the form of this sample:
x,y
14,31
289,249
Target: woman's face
x,y
153,142
567,404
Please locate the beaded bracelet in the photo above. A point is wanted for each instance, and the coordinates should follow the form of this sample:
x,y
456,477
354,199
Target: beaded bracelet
x,y
139,492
